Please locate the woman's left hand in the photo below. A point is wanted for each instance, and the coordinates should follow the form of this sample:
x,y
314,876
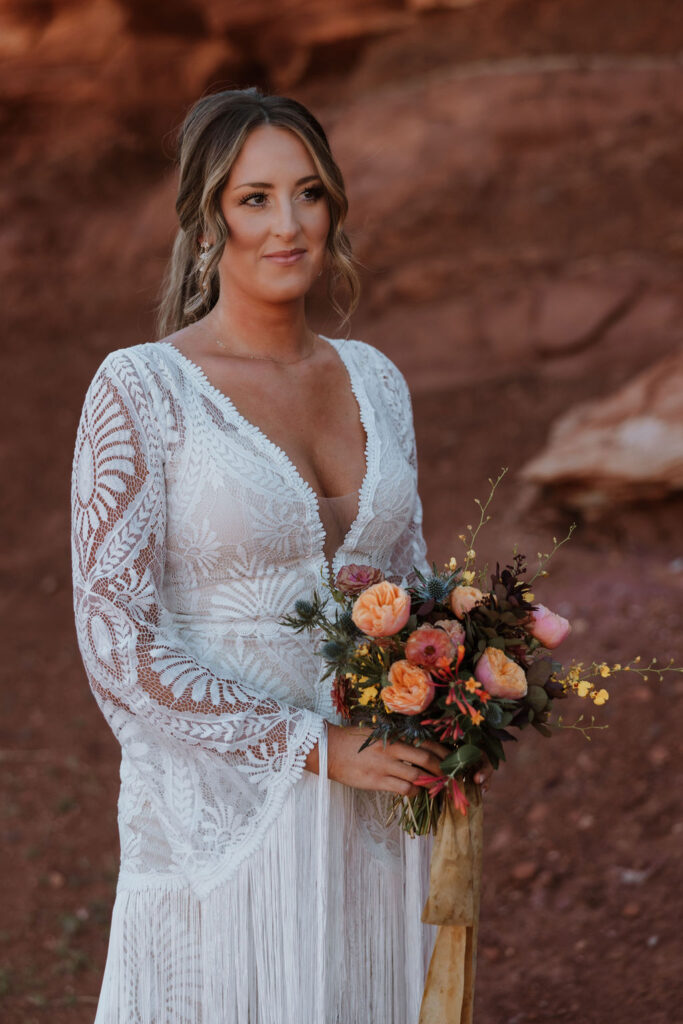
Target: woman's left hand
x,y
484,774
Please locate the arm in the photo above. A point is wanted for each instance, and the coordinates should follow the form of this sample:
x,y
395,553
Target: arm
x,y
164,706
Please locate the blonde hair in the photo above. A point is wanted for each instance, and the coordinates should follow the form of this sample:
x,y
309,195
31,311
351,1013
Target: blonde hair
x,y
209,142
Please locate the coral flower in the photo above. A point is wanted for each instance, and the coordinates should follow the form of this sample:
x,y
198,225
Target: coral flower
x,y
548,627
463,600
410,689
381,610
426,646
500,675
460,801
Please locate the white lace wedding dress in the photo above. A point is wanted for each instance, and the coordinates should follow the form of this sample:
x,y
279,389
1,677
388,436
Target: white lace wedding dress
x,y
250,890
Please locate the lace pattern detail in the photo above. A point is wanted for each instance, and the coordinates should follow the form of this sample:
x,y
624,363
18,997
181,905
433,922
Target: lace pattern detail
x,y
191,535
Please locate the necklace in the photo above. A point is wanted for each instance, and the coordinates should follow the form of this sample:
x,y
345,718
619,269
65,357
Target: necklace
x,y
280,362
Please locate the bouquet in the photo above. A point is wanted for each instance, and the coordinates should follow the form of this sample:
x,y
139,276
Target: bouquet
x,y
436,657
465,658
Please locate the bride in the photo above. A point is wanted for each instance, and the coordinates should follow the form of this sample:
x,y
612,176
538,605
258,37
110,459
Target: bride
x,y
218,474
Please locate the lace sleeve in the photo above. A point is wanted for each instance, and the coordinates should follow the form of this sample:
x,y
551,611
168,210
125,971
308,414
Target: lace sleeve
x,y
240,750
410,549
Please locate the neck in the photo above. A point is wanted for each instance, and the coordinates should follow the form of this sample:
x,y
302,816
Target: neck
x,y
277,331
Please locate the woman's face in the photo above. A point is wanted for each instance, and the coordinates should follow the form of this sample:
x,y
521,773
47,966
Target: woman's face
x,y
273,202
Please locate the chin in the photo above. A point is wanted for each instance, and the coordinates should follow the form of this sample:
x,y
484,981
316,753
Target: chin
x,y
288,291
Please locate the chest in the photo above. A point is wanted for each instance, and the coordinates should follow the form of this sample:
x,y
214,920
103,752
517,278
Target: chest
x,y
243,499
309,411
314,419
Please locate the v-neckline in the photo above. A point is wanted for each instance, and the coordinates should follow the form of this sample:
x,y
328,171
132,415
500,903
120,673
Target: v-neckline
x,y
312,495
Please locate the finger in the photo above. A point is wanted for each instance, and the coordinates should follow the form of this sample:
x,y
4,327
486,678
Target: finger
x,y
416,755
404,770
402,786
437,748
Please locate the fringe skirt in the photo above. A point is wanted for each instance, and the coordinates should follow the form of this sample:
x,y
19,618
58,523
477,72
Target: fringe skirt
x,y
315,928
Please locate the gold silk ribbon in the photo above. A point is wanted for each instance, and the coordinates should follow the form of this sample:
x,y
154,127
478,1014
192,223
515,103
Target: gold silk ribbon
x,y
453,904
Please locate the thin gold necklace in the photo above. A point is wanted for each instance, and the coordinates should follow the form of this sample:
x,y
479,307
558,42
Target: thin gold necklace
x,y
280,362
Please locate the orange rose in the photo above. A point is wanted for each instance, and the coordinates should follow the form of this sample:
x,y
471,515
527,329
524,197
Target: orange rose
x,y
411,689
499,675
463,600
381,610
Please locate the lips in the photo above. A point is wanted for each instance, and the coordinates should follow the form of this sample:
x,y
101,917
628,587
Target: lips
x,y
286,256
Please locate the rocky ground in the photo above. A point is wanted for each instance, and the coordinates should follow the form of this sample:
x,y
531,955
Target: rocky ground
x,y
514,168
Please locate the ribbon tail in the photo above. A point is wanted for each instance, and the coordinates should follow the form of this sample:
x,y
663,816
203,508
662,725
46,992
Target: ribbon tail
x,y
453,904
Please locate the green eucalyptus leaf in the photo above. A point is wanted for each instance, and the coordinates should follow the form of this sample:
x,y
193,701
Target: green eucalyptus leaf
x,y
494,714
494,750
468,754
539,673
538,698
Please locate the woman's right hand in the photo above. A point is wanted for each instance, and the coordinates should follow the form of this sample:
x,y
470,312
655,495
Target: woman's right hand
x,y
392,769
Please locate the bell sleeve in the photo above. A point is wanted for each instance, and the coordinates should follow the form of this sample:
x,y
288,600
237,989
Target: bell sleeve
x,y
215,759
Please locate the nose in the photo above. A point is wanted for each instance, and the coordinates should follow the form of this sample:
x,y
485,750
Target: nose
x,y
286,223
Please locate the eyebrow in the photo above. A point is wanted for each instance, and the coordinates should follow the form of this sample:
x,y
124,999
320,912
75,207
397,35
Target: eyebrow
x,y
267,184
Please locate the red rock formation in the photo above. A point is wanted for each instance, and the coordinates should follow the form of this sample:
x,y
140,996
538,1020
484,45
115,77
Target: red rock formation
x,y
624,447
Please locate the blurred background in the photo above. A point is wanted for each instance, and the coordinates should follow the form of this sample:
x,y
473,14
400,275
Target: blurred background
x,y
515,173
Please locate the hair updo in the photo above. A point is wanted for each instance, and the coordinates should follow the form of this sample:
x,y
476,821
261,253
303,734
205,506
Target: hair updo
x,y
209,143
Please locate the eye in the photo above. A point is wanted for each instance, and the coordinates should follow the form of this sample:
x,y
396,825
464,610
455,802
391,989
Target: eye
x,y
253,195
313,193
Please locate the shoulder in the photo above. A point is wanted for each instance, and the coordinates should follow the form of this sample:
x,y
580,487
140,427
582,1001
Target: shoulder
x,y
132,359
379,364
134,372
371,354
131,382
386,373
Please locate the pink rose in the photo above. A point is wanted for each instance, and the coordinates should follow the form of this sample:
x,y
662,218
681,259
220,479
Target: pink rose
x,y
463,600
454,629
499,675
353,579
549,628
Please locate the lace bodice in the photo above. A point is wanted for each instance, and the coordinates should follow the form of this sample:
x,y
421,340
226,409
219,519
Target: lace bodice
x,y
337,513
192,534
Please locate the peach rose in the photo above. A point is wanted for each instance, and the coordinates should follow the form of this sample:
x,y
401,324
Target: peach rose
x,y
499,675
463,600
548,627
411,689
381,610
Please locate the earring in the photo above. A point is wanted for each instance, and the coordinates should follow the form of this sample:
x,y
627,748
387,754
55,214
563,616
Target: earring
x,y
204,250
